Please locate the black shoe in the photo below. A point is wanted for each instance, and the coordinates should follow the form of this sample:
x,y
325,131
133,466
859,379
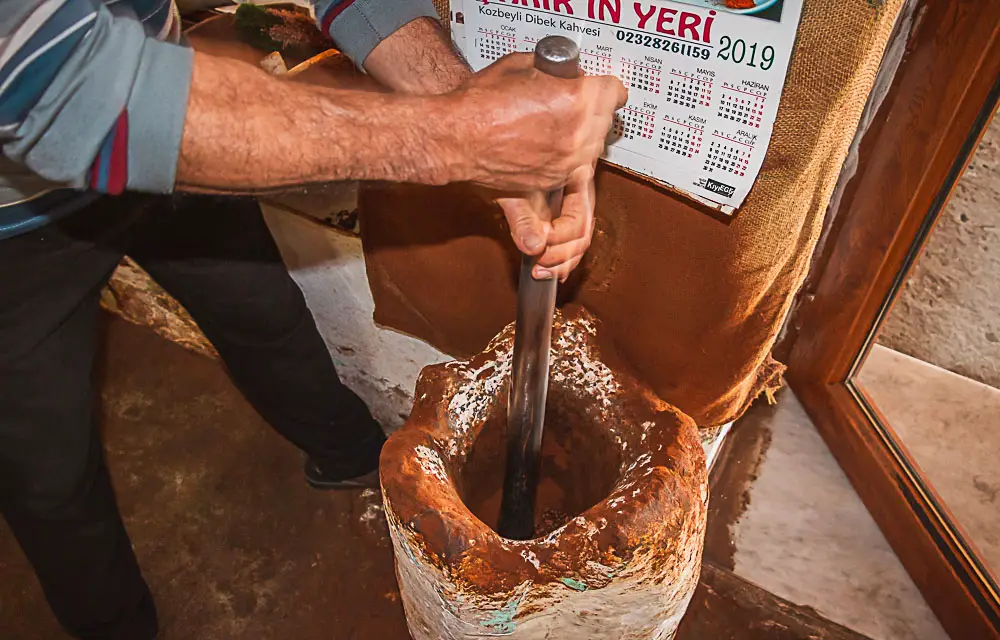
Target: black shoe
x,y
318,480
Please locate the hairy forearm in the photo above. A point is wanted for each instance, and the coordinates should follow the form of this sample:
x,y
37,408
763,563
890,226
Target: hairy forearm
x,y
248,132
419,58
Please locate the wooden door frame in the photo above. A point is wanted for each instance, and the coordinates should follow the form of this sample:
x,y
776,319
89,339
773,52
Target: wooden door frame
x,y
921,137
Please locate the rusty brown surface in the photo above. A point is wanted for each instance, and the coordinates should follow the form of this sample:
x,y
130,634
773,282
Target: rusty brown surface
x,y
638,547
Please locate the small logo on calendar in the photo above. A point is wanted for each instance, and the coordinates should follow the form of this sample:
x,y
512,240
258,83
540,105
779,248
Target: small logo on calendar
x,y
718,187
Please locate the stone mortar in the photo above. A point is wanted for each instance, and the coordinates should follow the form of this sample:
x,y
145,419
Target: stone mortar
x,y
625,568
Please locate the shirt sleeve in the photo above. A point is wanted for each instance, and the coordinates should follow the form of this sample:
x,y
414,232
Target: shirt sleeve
x,y
357,26
89,100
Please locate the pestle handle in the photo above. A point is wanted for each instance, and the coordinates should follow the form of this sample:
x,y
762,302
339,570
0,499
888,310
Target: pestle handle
x,y
536,301
558,56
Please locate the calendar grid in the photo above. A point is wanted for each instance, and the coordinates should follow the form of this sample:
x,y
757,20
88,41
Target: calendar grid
x,y
689,90
701,103
596,63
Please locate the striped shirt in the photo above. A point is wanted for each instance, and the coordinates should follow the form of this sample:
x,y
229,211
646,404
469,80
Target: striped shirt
x,y
93,95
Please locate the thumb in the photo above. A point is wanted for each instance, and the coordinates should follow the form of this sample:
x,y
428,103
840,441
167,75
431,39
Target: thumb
x,y
530,233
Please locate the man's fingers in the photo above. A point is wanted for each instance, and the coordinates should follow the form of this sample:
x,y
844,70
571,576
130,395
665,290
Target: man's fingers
x,y
611,91
577,219
568,229
557,255
618,90
571,233
560,272
516,62
529,232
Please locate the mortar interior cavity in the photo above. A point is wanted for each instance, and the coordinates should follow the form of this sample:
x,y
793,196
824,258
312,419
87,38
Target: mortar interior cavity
x,y
580,465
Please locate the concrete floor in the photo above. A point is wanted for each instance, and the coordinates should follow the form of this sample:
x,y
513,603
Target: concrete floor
x,y
949,311
796,528
230,538
804,534
379,364
948,424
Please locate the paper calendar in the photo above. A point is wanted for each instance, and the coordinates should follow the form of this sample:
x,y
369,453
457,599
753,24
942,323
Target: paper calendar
x,y
704,79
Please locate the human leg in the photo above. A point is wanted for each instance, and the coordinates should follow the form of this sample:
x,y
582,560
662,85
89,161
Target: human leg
x,y
55,492
217,257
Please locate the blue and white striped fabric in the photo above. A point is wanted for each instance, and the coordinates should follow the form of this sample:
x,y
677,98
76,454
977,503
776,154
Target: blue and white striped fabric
x,y
93,94
357,26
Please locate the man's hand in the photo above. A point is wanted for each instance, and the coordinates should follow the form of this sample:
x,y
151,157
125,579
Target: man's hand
x,y
527,109
571,232
523,130
561,242
418,59
544,136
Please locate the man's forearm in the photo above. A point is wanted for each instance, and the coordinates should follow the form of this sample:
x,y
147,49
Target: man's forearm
x,y
419,58
247,132
507,127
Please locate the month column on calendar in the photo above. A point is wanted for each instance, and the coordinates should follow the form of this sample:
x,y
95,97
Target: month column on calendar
x,y
738,116
597,60
728,154
635,122
682,137
493,44
742,104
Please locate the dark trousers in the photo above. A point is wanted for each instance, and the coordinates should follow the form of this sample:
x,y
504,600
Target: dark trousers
x,y
216,256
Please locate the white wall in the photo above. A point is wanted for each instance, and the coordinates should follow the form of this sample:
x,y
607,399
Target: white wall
x,y
381,365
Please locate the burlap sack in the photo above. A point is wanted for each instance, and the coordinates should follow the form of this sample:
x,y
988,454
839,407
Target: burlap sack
x,y
694,304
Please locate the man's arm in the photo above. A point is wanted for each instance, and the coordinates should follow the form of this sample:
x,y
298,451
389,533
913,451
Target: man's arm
x,y
400,43
89,100
246,131
418,58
